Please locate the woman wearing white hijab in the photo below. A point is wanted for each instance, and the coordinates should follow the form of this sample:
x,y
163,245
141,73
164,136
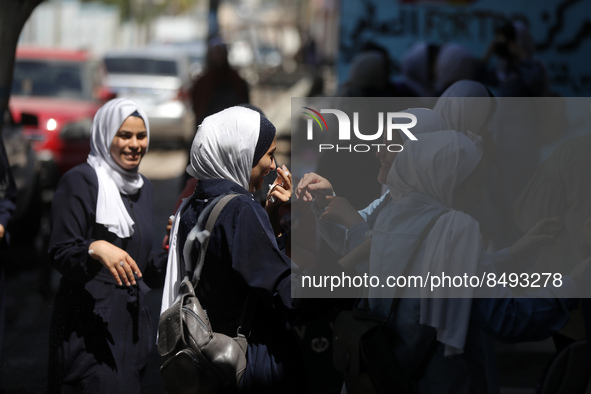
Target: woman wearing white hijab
x,y
100,243
232,152
445,340
466,106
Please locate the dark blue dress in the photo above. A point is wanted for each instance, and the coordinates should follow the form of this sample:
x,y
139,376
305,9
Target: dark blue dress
x,y
243,257
101,334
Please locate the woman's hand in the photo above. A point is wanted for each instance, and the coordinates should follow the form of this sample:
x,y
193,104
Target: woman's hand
x,y
341,211
542,233
116,260
314,186
166,239
281,189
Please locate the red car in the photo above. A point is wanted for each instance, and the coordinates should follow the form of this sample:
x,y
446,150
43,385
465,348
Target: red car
x,y
55,94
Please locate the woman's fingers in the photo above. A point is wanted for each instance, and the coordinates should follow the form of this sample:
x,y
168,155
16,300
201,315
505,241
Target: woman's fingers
x,y
302,188
285,178
122,268
129,271
281,190
117,261
134,267
115,274
280,194
126,269
311,183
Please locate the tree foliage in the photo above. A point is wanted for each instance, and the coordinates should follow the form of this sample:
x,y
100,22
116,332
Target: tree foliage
x,y
143,10
13,16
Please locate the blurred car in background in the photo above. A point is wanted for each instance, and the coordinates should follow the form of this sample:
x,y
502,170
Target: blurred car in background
x,y
59,91
254,61
158,79
196,51
268,57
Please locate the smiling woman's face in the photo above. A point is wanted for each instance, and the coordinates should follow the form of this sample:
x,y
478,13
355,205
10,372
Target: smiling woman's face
x,y
130,143
265,165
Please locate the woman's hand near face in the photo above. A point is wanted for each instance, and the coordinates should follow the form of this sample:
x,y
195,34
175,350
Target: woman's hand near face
x,y
281,190
116,260
341,211
313,186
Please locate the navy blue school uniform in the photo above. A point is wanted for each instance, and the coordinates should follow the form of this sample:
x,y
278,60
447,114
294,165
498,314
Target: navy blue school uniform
x,y
100,335
243,258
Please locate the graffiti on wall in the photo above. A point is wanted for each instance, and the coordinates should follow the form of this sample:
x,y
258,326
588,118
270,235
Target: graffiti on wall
x,y
561,30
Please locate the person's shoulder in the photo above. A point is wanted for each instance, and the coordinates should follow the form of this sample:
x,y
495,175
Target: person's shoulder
x,y
243,201
244,204
80,181
81,174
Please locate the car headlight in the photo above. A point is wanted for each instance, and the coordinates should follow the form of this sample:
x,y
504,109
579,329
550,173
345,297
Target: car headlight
x,y
76,130
51,124
172,110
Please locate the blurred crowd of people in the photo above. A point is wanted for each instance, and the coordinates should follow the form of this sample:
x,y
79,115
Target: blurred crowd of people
x,y
477,183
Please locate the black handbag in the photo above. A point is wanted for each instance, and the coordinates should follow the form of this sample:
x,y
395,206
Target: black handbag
x,y
196,359
362,347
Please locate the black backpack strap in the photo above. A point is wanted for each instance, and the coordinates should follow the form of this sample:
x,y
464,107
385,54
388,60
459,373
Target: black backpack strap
x,y
247,309
213,217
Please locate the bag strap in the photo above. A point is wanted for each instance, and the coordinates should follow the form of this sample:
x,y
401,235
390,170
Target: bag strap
x,y
213,217
246,315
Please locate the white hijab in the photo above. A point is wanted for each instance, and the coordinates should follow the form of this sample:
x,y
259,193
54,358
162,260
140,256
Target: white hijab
x,y
224,146
113,180
435,167
466,106
428,121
